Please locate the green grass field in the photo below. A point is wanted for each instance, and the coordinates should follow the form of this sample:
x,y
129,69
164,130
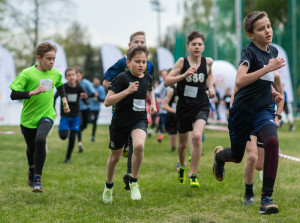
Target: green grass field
x,y
72,192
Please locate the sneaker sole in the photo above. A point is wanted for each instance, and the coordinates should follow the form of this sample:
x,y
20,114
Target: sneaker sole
x,y
195,186
220,148
37,190
136,198
270,210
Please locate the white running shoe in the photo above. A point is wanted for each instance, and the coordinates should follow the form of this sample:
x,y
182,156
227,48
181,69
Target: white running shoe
x,y
107,195
135,191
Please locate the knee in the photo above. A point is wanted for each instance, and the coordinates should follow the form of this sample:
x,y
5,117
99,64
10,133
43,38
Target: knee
x,y
182,145
139,148
252,158
197,138
114,158
40,139
259,166
63,134
272,142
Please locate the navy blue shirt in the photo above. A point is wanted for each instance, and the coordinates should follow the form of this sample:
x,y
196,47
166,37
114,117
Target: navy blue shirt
x,y
121,66
257,95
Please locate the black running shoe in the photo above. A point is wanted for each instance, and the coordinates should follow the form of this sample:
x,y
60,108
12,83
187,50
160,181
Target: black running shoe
x,y
218,167
37,186
267,206
126,180
80,149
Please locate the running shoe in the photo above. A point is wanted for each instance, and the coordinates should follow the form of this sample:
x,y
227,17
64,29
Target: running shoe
x,y
160,138
194,181
92,139
267,206
30,177
218,167
190,158
37,186
135,191
126,180
181,175
66,160
248,200
80,149
107,195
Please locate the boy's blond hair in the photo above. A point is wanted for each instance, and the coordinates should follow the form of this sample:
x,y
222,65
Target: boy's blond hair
x,y
139,33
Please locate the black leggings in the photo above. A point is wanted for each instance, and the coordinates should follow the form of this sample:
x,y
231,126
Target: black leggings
x,y
36,144
94,118
268,135
84,116
63,134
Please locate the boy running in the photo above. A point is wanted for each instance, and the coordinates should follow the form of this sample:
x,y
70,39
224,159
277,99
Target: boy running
x,y
128,91
136,39
252,106
193,76
36,86
71,121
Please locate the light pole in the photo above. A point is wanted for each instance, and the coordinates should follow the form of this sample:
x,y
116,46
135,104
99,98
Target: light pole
x,y
158,8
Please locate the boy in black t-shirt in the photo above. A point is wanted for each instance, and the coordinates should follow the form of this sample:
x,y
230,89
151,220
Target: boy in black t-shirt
x,y
128,92
71,121
252,109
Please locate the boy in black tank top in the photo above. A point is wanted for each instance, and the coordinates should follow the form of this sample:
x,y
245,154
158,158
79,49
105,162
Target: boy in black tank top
x,y
193,76
252,106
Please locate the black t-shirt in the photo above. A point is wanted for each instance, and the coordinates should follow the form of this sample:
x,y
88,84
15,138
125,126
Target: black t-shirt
x,y
132,108
173,101
256,96
73,96
192,91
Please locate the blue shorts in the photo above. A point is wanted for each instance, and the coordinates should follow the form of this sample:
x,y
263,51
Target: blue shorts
x,y
69,123
241,123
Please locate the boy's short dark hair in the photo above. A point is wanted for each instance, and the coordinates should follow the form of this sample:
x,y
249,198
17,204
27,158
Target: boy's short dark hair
x,y
45,47
68,69
139,33
193,35
131,52
78,70
251,18
97,76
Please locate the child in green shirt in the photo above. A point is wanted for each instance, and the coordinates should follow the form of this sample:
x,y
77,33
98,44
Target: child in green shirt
x,y
36,86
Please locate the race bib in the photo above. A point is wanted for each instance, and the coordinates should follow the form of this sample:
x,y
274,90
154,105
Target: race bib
x,y
190,91
47,83
139,105
268,76
71,97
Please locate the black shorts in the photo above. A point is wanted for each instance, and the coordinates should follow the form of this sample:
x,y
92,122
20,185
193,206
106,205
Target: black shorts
x,y
187,125
119,136
171,124
259,141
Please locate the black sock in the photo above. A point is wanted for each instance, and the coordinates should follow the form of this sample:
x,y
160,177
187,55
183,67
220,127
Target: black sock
x,y
249,189
133,180
109,186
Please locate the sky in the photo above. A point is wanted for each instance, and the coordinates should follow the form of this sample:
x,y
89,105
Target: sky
x,y
113,21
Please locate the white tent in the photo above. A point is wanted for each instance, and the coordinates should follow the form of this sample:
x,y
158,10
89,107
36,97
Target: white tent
x,y
7,74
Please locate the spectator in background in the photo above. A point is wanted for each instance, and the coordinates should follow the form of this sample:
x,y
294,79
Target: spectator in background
x,y
84,109
95,104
